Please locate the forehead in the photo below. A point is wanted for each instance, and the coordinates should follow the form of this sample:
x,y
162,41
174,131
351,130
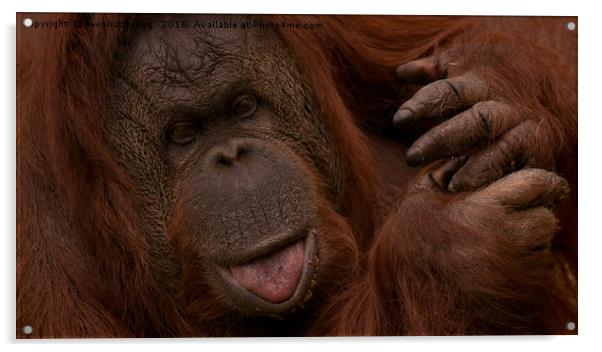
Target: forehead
x,y
186,58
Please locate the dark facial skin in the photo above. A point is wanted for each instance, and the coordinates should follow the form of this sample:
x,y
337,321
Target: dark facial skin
x,y
217,127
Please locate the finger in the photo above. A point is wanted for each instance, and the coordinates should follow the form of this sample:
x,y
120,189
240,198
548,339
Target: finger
x,y
435,177
443,175
524,189
500,158
421,71
441,98
484,121
538,223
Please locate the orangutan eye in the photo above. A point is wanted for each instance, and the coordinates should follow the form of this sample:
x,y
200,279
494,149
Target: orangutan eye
x,y
245,105
182,132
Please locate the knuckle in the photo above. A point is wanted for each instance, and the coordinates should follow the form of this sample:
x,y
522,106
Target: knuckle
x,y
506,152
481,112
496,117
451,88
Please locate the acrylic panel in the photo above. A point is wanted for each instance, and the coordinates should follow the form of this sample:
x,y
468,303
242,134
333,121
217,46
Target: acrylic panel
x,y
201,175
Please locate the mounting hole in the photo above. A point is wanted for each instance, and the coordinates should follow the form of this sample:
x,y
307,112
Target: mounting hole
x,y
571,26
27,329
27,23
570,326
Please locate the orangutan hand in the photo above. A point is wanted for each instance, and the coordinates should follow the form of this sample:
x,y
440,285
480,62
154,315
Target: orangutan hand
x,y
493,136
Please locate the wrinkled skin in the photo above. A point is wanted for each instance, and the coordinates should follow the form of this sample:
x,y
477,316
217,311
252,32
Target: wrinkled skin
x,y
468,117
211,125
229,149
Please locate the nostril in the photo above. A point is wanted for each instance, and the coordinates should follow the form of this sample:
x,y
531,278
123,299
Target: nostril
x,y
240,152
228,154
227,159
222,160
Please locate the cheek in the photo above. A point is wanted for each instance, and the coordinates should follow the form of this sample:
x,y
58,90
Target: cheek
x,y
308,139
142,159
297,118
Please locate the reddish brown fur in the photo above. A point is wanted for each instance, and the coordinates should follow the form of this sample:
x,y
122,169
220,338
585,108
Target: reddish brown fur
x,y
83,267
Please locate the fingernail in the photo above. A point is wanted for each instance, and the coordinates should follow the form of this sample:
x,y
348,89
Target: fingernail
x,y
455,184
414,157
403,117
400,70
460,184
454,187
451,186
459,159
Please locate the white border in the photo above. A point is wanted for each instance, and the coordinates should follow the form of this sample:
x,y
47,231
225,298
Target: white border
x,y
590,176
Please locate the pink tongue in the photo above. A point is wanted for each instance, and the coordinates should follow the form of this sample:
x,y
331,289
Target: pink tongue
x,y
273,277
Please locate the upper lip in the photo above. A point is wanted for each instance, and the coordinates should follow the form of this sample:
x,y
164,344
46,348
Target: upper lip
x,y
264,247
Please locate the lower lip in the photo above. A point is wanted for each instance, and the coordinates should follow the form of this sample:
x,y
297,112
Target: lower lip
x,y
256,305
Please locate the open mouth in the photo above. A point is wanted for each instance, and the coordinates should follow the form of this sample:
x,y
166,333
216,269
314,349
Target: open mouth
x,y
277,281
